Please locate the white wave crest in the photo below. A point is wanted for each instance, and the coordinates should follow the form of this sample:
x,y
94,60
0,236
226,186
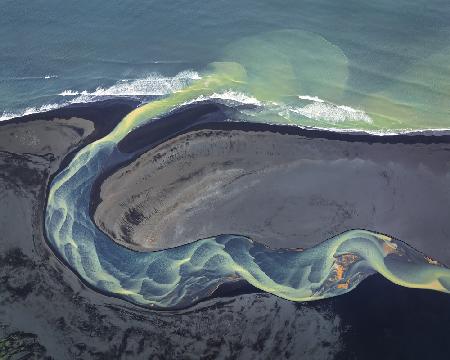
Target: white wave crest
x,y
311,98
69,93
154,84
228,97
322,111
31,110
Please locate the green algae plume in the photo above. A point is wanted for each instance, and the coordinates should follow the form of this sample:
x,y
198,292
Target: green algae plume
x,y
303,79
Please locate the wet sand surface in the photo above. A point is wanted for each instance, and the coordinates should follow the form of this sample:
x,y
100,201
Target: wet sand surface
x,y
47,312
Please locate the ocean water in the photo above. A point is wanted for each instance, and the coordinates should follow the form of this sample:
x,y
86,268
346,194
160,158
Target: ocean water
x,y
381,65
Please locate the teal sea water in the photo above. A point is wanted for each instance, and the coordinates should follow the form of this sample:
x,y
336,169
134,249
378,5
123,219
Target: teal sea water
x,y
378,66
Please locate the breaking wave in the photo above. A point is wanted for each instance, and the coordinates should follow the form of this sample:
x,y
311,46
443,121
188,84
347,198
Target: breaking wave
x,y
322,111
152,85
229,97
31,110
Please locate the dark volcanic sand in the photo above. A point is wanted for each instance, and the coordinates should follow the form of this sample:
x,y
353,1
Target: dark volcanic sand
x,y
46,311
284,190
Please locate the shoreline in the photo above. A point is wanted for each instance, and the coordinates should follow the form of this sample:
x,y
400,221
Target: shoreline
x,y
89,110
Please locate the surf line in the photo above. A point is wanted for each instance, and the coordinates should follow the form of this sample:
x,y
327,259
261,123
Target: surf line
x,y
179,277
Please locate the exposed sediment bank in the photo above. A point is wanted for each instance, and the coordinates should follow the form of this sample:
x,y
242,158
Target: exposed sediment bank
x,y
291,189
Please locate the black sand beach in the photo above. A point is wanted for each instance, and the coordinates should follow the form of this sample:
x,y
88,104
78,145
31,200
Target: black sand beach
x,y
365,182
281,189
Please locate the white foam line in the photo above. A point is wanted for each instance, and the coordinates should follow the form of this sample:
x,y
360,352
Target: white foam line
x,y
31,110
228,96
153,84
380,132
69,93
332,113
48,107
311,98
